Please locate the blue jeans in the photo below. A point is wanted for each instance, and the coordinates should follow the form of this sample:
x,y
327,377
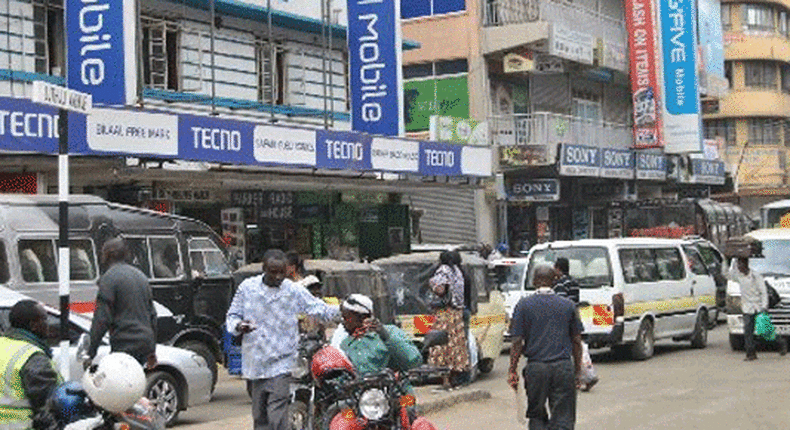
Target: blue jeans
x,y
554,382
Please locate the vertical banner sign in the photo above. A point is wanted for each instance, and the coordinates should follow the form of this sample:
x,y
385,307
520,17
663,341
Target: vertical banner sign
x,y
374,51
644,83
680,112
101,54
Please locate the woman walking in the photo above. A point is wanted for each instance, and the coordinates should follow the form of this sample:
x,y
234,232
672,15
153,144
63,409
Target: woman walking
x,y
448,284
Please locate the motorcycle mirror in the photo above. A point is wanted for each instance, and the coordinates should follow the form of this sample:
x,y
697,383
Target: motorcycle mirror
x,y
435,338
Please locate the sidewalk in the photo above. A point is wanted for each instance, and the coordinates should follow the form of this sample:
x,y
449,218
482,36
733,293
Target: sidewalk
x,y
428,402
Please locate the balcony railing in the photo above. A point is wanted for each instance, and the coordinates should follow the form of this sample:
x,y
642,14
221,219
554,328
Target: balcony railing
x,y
536,136
505,12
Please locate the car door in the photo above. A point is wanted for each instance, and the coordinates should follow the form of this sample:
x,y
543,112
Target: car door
x,y
703,286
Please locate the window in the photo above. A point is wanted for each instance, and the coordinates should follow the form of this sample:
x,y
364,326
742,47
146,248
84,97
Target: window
x,y
160,53
758,17
439,68
726,18
418,71
82,262
31,39
782,23
265,81
760,74
639,265
37,260
728,73
696,265
669,264
451,67
418,8
138,251
165,258
724,128
206,259
3,264
588,265
763,131
785,78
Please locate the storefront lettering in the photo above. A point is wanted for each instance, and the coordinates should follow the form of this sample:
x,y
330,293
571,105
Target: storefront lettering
x,y
616,159
28,124
535,188
342,150
439,158
651,162
579,155
217,139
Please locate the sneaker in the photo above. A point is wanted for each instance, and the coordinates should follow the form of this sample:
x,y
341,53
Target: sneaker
x,y
750,357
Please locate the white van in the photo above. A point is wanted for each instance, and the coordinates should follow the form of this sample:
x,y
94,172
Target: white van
x,y
775,269
634,291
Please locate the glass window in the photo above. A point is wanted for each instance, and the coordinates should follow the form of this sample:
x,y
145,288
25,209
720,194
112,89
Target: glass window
x,y
82,263
646,268
37,260
3,264
760,74
509,277
448,6
775,261
726,18
165,258
669,264
763,131
206,259
451,67
588,265
785,78
418,71
783,23
758,17
696,265
723,128
418,8
138,253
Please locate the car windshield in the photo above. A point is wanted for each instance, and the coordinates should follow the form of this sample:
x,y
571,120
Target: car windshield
x,y
589,265
509,277
775,261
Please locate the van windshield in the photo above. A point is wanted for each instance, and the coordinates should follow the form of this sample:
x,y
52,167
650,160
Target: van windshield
x,y
509,277
589,265
775,261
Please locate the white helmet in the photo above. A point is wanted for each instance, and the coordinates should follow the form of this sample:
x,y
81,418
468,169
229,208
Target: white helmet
x,y
117,383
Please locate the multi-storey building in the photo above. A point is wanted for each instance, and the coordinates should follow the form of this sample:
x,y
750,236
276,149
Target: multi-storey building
x,y
753,120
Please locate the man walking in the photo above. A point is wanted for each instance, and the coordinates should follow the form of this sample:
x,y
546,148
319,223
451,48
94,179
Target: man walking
x,y
125,307
546,328
29,375
265,310
564,284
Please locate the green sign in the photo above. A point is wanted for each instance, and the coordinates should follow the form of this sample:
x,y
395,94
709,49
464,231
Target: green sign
x,y
448,97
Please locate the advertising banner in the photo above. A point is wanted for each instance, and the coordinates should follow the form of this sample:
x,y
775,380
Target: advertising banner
x,y
424,98
571,44
102,49
393,155
651,166
476,161
374,46
28,127
343,150
440,159
143,133
272,146
215,139
617,163
643,58
460,130
534,190
578,160
707,171
680,110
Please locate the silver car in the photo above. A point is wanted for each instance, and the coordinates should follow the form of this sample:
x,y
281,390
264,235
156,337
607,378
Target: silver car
x,y
180,379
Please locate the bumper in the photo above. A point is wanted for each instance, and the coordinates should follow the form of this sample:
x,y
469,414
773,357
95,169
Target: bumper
x,y
735,324
198,380
602,339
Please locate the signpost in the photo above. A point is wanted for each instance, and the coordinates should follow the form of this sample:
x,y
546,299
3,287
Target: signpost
x,y
65,100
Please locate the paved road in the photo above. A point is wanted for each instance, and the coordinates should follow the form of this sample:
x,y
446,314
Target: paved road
x,y
679,388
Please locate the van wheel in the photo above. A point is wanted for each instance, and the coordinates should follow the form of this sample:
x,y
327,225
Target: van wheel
x,y
736,342
204,351
645,341
699,338
486,365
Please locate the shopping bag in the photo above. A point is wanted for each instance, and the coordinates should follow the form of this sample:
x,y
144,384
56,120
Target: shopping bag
x,y
763,326
588,371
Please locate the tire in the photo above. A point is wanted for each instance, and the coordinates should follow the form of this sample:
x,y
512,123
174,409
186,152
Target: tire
x,y
485,365
713,322
699,338
163,390
736,342
644,346
204,351
298,412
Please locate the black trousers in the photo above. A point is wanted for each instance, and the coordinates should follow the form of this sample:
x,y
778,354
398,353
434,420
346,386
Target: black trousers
x,y
553,383
270,403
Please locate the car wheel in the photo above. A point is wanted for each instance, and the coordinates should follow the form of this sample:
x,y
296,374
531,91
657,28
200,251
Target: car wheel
x,y
298,411
713,322
204,351
162,389
486,365
645,341
699,338
736,342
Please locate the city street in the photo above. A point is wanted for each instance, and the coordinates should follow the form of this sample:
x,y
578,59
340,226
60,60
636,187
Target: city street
x,y
679,388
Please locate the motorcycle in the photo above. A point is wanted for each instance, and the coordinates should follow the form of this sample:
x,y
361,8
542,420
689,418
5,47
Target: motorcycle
x,y
328,394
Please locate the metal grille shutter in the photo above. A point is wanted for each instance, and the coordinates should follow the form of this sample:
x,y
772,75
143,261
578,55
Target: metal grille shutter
x,y
550,93
449,214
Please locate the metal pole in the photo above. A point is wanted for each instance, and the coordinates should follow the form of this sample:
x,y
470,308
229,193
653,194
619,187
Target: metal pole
x,y
213,65
272,54
323,59
331,63
63,240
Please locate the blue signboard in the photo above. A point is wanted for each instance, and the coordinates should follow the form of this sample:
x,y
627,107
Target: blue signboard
x,y
342,150
617,163
534,190
101,49
651,165
28,126
440,159
206,138
707,171
679,45
579,160
374,66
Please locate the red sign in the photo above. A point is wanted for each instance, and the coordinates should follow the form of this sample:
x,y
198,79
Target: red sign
x,y
641,27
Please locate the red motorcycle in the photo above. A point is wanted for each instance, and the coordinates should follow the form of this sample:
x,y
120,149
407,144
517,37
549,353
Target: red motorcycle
x,y
340,399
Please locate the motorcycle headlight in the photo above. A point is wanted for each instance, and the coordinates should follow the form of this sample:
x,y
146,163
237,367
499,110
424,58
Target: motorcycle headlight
x,y
373,404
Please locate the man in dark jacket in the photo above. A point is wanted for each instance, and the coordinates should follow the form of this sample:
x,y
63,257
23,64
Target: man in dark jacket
x,y
32,376
565,285
125,307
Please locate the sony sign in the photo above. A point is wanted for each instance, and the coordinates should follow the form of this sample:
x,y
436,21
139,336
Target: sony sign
x,y
101,49
374,46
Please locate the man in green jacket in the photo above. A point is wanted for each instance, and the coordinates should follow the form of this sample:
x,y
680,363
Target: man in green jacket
x,y
371,346
29,375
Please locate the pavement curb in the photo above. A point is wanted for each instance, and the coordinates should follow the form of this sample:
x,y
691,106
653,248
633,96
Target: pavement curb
x,y
452,399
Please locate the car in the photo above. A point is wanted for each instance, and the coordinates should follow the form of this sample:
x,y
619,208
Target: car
x,y
181,378
713,260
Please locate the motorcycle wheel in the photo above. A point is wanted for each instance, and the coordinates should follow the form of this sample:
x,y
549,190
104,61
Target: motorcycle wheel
x,y
298,411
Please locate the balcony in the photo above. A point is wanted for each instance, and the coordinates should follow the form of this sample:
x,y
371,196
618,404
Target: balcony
x,y
532,139
511,23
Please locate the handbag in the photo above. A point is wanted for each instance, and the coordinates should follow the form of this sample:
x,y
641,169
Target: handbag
x,y
763,326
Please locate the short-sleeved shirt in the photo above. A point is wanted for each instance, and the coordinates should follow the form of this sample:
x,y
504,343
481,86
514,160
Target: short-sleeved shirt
x,y
546,323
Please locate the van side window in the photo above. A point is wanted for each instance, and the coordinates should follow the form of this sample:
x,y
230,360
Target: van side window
x,y
3,264
628,262
695,261
37,260
138,252
165,258
82,264
206,259
646,267
669,264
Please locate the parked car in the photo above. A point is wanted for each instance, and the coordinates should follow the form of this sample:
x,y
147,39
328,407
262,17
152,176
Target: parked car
x,y
775,269
181,378
635,290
